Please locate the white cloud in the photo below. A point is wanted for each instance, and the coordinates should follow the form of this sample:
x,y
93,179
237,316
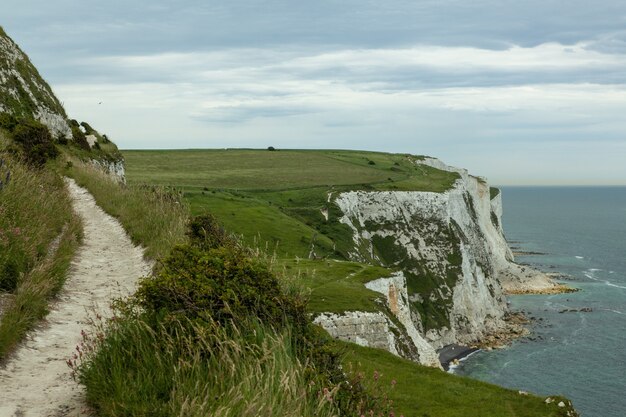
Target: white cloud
x,y
359,99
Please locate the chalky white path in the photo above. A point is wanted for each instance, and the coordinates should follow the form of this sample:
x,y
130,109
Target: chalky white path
x,y
36,380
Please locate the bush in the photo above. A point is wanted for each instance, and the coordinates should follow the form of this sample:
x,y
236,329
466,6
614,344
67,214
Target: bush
x,y
8,121
79,138
220,283
35,141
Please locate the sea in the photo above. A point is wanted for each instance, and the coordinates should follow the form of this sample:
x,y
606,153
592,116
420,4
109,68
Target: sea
x,y
580,233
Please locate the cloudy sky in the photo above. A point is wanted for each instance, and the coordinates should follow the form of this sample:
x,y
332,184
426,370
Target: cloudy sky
x,y
523,92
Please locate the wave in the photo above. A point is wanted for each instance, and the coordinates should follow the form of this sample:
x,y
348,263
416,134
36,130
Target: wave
x,y
580,257
614,311
452,367
609,283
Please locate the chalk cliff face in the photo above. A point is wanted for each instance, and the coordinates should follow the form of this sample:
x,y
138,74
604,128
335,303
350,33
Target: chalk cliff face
x,y
24,93
451,255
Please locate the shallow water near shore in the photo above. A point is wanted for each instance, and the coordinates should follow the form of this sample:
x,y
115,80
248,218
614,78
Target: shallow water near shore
x,y
582,355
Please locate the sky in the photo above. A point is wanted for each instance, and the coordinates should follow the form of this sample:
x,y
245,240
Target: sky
x,y
522,92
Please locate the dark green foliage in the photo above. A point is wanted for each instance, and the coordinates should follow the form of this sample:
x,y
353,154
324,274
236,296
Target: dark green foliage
x,y
79,138
205,232
35,141
8,121
493,192
88,129
220,282
9,275
271,148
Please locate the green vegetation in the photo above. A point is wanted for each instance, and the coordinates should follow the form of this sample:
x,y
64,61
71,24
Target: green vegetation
x,y
144,371
493,192
428,392
261,170
154,217
177,339
38,236
335,286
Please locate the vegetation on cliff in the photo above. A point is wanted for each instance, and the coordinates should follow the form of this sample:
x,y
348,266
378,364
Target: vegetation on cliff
x,y
39,234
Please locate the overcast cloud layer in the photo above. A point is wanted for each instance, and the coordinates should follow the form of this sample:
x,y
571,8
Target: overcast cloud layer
x,y
529,92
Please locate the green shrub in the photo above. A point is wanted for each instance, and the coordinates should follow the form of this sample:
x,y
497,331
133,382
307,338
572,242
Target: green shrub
x,y
35,141
8,121
79,138
221,282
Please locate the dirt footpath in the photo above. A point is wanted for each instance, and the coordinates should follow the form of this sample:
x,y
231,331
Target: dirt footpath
x,y
36,381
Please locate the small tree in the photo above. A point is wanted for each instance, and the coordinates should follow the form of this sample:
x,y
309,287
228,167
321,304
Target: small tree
x,y
271,148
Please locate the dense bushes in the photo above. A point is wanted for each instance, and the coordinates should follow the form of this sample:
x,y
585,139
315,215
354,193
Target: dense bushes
x,y
33,139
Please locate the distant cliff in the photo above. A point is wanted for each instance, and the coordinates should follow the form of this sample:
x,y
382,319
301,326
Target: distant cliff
x,y
453,260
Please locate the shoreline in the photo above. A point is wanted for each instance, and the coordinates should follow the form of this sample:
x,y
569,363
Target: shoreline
x,y
451,355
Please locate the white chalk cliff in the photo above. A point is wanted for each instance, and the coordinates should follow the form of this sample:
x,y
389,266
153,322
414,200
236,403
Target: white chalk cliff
x,y
453,263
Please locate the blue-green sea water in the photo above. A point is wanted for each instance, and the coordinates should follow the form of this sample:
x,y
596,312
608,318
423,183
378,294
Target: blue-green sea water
x,y
582,355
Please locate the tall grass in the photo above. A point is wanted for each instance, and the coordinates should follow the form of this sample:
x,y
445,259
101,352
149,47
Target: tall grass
x,y
39,234
153,217
192,370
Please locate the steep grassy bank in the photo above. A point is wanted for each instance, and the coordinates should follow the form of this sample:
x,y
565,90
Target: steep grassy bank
x,y
39,234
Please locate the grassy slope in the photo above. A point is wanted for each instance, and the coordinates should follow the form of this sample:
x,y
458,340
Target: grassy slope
x,y
271,197
422,391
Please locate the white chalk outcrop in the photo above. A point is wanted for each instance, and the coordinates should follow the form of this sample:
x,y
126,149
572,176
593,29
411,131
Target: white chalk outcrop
x,y
453,258
114,168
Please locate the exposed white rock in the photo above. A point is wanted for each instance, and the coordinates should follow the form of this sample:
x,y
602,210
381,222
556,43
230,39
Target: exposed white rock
x,y
395,290
91,140
363,328
114,168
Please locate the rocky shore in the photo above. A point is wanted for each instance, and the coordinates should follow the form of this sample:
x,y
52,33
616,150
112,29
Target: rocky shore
x,y
557,288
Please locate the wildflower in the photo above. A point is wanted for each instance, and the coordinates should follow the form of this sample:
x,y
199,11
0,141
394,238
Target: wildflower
x,y
376,375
